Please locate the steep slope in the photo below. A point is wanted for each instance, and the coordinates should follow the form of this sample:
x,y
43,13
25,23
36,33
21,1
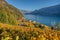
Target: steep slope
x,y
48,11
8,13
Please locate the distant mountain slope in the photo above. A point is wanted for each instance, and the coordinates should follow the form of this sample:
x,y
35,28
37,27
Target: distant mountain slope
x,y
8,13
48,11
24,11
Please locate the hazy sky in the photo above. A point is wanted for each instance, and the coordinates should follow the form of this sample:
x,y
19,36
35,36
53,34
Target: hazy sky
x,y
33,4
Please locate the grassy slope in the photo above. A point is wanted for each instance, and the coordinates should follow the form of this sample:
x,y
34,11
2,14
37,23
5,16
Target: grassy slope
x,y
8,13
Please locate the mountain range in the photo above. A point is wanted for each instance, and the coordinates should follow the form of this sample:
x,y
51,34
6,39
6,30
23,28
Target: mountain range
x,y
48,11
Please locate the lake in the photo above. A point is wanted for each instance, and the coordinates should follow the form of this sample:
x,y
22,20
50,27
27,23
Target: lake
x,y
44,19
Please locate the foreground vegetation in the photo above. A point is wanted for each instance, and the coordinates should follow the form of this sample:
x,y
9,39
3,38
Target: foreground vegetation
x,y
11,32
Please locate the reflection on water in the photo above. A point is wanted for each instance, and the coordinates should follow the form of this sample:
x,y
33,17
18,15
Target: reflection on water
x,y
43,19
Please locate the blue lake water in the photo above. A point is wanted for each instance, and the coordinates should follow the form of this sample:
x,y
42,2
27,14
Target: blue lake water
x,y
43,19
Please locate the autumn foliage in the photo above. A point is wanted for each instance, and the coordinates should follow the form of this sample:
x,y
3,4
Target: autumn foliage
x,y
27,33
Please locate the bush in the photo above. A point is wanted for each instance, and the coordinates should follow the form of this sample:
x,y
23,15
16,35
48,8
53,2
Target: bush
x,y
3,17
12,20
